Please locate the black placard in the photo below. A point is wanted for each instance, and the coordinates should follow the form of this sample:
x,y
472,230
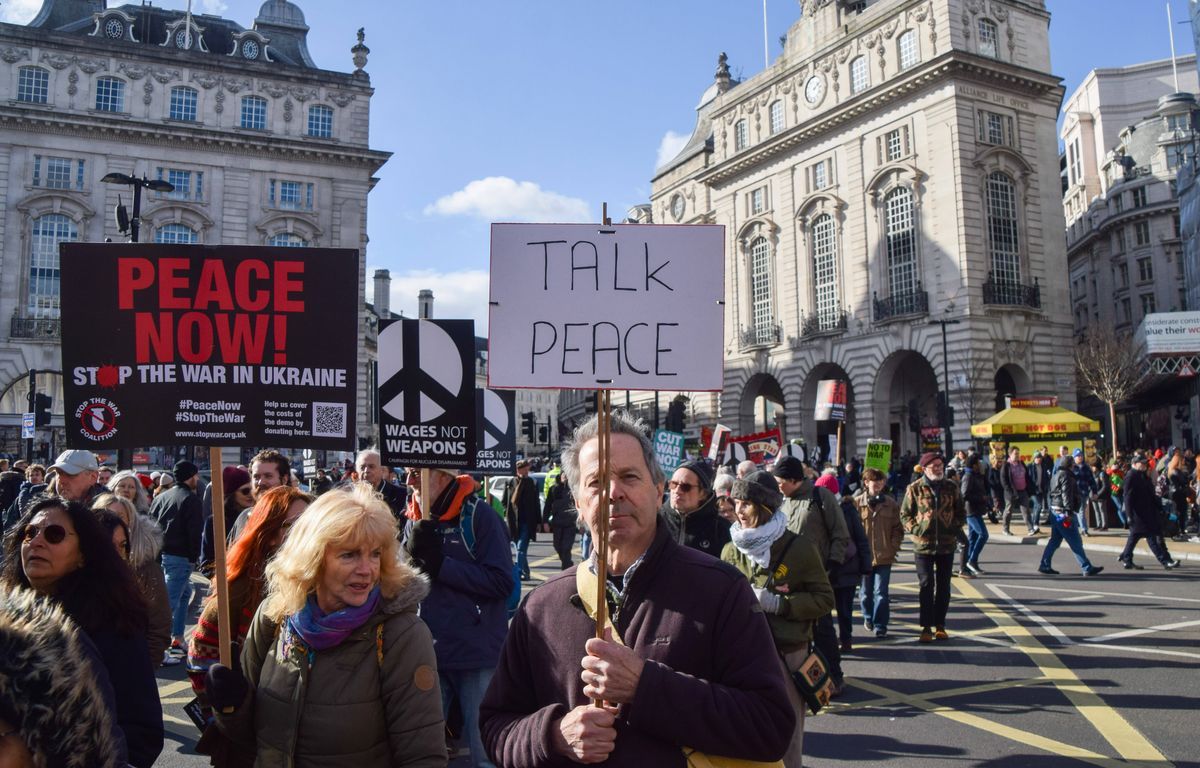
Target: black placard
x,y
209,345
496,452
427,393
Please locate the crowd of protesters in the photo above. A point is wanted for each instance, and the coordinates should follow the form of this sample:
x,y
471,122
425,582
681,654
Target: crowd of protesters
x,y
372,611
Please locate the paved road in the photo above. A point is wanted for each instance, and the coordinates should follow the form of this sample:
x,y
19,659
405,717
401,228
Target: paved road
x,y
1040,672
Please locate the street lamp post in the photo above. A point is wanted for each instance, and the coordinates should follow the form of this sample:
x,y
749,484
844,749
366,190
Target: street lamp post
x,y
134,225
944,416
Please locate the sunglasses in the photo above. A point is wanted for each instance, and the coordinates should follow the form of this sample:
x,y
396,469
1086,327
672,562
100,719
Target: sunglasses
x,y
54,533
682,487
244,489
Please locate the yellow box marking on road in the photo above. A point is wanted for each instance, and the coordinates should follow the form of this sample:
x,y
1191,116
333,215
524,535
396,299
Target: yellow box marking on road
x,y
948,693
1115,729
975,721
174,687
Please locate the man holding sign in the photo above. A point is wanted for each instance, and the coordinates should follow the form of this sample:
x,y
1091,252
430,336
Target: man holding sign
x,y
707,689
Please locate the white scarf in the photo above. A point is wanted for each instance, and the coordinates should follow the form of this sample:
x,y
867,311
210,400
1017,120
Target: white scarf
x,y
755,543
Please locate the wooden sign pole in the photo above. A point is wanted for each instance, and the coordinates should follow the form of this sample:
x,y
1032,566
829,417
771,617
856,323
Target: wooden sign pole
x,y
426,499
837,459
604,435
224,631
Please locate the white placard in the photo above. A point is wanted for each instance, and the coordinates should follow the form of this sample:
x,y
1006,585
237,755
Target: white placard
x,y
1169,333
584,306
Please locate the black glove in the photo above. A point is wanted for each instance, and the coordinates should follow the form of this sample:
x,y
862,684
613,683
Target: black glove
x,y
226,687
424,547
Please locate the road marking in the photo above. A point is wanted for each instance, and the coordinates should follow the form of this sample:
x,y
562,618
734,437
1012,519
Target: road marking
x,y
1143,631
1138,597
173,687
1160,651
1053,746
1046,625
1080,598
948,693
1115,729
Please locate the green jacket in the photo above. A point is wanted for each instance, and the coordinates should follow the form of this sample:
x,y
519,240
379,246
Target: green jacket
x,y
800,580
372,700
933,520
823,524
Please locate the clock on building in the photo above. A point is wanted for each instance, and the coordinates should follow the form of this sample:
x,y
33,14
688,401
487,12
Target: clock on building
x,y
814,89
115,29
677,207
249,49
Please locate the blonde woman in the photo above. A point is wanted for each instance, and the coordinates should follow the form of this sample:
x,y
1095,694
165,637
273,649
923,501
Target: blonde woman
x,y
145,544
336,644
126,485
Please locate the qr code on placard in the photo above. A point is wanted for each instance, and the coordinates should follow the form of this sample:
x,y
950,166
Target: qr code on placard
x,y
329,419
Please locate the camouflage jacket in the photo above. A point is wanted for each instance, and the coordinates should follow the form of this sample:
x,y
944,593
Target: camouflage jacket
x,y
933,516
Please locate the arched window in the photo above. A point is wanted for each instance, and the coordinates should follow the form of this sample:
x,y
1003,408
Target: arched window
x,y
776,116
110,94
824,255
741,135
901,242
175,234
33,85
760,289
254,113
907,46
183,103
320,121
987,38
288,240
860,75
1003,245
47,232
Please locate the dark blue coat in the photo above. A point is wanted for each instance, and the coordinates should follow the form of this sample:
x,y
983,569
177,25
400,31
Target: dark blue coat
x,y
466,609
135,690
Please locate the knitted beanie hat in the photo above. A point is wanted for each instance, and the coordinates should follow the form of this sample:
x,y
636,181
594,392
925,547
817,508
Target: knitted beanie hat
x,y
758,487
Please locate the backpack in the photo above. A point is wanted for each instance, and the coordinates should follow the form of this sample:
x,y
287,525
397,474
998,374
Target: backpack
x,y
1161,486
466,527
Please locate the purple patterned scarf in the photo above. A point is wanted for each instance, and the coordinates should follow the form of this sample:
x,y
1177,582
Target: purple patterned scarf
x,y
320,631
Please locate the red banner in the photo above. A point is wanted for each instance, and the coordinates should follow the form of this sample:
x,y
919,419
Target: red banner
x,y
761,447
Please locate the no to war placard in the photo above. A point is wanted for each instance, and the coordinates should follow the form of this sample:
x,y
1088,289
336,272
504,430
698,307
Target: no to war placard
x,y
208,345
634,306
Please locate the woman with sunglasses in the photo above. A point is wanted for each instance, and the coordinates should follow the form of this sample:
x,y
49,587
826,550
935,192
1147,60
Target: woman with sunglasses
x,y
272,518
61,551
127,485
145,544
237,489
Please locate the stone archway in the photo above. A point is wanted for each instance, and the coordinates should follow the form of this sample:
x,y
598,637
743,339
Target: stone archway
x,y
1010,380
761,404
824,433
906,389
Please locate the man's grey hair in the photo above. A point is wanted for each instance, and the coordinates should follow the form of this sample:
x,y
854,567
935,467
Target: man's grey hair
x,y
746,467
368,452
622,424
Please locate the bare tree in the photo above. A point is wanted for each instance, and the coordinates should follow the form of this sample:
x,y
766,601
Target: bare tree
x,y
976,385
1109,366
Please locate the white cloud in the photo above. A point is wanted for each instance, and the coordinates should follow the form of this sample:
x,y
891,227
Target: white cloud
x,y
20,11
458,295
216,7
499,198
671,145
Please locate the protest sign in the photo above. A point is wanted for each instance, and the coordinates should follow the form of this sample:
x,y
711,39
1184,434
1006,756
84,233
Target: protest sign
x,y
795,450
668,446
931,439
582,306
879,455
208,345
831,400
717,441
427,393
759,447
496,452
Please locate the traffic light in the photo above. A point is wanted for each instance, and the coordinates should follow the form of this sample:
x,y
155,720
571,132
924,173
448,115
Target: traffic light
x,y
544,433
41,410
914,415
527,425
945,411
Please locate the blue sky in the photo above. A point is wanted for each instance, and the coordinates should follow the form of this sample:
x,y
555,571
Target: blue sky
x,y
539,110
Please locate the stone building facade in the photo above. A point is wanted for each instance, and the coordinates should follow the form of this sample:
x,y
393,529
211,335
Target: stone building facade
x,y
263,148
896,166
